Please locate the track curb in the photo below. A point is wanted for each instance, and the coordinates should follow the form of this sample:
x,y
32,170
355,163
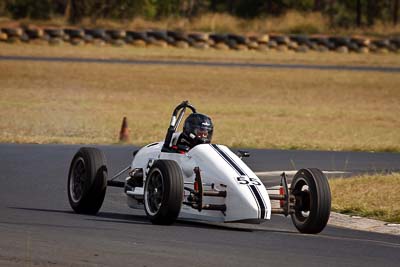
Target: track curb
x,y
363,224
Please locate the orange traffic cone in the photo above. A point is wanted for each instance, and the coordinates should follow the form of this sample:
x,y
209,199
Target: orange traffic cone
x,y
124,133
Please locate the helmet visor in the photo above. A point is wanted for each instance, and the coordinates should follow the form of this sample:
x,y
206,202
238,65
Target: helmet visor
x,y
201,133
204,134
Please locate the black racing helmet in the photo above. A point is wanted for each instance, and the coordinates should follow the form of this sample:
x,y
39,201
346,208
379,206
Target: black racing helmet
x,y
198,129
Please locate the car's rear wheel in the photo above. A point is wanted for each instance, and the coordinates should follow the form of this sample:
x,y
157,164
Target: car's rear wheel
x,y
313,201
87,181
163,192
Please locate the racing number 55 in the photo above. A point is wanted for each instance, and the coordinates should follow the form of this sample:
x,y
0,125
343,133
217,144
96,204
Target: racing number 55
x,y
250,181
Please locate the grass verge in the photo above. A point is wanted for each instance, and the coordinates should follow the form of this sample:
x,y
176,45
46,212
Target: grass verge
x,y
375,196
44,102
131,52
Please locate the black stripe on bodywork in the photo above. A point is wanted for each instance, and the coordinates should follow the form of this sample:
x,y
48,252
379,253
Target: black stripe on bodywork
x,y
259,200
229,160
263,200
255,198
253,189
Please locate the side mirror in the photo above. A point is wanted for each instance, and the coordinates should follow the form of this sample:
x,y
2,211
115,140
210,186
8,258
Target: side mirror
x,y
243,154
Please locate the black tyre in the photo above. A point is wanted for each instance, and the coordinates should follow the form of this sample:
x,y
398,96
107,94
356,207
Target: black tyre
x,y
199,37
88,39
218,38
313,201
87,181
34,33
54,33
272,44
396,41
96,33
137,35
361,41
116,34
300,39
384,43
280,39
75,33
13,32
313,45
179,36
25,38
160,35
353,46
239,39
232,43
163,192
323,41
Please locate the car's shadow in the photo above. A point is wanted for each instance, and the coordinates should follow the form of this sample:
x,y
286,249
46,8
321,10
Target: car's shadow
x,y
114,217
108,216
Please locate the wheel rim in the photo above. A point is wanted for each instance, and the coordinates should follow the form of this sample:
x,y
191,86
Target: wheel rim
x,y
154,192
77,180
303,200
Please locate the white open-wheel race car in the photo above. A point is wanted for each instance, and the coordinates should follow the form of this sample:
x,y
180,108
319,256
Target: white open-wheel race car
x,y
205,182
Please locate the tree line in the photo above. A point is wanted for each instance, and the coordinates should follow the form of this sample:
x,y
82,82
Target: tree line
x,y
344,13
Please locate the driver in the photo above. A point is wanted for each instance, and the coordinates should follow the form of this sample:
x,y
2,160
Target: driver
x,y
197,129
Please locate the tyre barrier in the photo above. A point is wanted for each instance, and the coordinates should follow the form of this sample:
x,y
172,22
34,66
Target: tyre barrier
x,y
34,33
280,39
300,40
3,36
199,37
218,38
238,39
199,40
272,44
54,33
13,32
395,41
116,34
96,33
75,33
323,41
261,39
179,36
302,49
160,37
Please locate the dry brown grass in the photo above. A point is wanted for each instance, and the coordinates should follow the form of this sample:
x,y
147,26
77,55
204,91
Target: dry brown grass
x,y
290,22
130,52
264,108
374,196
378,30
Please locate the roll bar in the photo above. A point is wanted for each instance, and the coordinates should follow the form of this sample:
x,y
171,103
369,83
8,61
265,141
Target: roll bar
x,y
175,121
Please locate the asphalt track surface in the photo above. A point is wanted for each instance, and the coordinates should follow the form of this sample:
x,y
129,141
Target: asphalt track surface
x,y
201,63
38,228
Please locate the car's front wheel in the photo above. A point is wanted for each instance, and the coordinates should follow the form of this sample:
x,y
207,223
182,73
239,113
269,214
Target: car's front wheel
x,y
163,192
312,200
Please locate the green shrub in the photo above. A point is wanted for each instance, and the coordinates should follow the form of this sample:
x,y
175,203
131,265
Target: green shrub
x,y
34,9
